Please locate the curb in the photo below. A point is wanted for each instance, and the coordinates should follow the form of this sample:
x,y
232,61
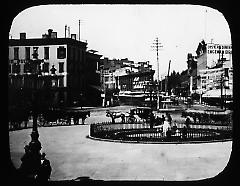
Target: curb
x,y
157,142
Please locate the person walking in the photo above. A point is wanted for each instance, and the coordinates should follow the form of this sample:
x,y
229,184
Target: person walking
x,y
169,119
151,118
166,127
187,122
163,119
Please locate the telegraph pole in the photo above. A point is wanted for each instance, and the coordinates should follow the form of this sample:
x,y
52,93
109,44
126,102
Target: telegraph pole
x,y
79,30
157,46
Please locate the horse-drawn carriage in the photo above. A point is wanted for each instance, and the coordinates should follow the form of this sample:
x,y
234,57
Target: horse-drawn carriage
x,y
209,116
64,116
143,113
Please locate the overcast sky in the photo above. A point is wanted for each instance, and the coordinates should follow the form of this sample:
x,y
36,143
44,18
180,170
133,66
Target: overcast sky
x,y
128,31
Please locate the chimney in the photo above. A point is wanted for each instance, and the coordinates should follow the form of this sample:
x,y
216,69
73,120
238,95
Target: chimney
x,y
74,36
69,32
50,32
53,35
44,36
23,35
65,31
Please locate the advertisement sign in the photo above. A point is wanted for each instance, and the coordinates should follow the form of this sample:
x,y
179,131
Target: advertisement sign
x,y
215,52
217,48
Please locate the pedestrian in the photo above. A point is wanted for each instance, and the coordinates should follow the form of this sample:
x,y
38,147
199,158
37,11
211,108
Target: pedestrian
x,y
169,118
187,122
151,120
184,132
44,170
123,118
166,127
163,119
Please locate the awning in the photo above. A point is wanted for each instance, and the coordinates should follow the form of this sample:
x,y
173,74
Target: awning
x,y
216,93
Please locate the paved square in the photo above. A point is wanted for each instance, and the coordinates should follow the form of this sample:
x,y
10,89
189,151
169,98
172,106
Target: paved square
x,y
74,155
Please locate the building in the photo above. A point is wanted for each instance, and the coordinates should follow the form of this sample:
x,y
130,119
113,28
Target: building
x,y
192,72
214,68
119,77
93,78
210,55
63,64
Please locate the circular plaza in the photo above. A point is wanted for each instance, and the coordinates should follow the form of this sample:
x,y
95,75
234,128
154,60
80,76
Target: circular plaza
x,y
74,154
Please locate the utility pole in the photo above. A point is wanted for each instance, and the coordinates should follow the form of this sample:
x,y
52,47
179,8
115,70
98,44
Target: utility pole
x,y
79,30
157,46
65,31
205,25
166,79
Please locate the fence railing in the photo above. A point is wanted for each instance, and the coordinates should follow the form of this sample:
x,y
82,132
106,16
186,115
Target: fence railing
x,y
143,132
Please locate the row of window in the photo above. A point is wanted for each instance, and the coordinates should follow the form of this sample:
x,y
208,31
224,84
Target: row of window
x,y
61,52
30,68
26,82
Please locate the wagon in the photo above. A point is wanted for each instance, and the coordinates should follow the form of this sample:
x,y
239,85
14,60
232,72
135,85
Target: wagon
x,y
209,116
143,112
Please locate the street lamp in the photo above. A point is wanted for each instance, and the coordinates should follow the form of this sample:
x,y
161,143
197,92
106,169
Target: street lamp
x,y
81,99
32,156
224,84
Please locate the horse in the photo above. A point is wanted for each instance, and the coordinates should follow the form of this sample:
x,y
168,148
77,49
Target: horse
x,y
115,115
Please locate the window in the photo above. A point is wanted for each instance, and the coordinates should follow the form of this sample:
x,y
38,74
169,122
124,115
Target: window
x,y
27,52
61,82
16,68
61,67
54,83
46,52
27,67
35,52
61,52
16,53
45,67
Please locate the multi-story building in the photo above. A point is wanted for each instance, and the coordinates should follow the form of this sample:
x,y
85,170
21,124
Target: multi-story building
x,y
122,76
214,67
210,55
93,78
212,78
63,63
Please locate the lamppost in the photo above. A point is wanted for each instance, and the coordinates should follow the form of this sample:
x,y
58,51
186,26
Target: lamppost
x,y
81,99
224,84
31,160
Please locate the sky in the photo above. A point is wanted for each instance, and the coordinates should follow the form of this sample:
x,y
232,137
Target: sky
x,y
129,31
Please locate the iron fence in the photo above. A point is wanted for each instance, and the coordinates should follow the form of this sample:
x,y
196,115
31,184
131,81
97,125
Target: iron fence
x,y
143,132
